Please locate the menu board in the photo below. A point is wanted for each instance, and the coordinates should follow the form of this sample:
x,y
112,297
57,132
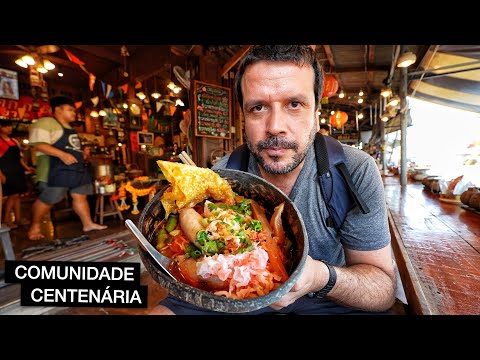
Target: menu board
x,y
212,110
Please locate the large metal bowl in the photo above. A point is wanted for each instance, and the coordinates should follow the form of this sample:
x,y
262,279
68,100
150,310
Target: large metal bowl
x,y
267,195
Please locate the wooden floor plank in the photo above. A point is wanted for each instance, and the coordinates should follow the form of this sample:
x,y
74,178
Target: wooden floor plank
x,y
442,241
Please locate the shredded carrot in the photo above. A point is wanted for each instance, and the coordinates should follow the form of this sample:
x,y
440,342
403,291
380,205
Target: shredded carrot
x,y
177,246
275,258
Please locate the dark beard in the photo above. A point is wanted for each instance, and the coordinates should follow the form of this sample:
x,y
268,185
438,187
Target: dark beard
x,y
280,142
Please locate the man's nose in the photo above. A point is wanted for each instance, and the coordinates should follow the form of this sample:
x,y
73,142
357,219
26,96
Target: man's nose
x,y
277,121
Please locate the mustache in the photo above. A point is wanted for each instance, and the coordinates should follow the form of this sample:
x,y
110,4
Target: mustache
x,y
276,141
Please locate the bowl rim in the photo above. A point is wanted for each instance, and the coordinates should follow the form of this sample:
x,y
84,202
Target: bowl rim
x,y
250,304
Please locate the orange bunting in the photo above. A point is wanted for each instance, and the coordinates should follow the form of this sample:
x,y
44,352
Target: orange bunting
x,y
124,88
78,104
91,81
73,58
138,85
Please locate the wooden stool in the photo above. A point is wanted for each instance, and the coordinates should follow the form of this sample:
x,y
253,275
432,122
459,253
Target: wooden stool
x,y
7,243
100,207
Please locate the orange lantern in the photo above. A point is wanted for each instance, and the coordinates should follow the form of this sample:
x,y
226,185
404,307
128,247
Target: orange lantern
x,y
338,119
330,86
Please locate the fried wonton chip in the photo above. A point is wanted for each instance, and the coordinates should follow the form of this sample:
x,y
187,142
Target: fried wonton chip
x,y
190,185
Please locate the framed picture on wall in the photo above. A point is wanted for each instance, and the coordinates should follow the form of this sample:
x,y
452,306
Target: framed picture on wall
x,y
111,119
145,138
8,84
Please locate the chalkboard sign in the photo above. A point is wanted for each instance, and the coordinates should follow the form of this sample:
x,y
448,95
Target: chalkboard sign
x,y
212,110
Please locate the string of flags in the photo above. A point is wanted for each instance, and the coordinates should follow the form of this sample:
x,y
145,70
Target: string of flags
x,y
106,88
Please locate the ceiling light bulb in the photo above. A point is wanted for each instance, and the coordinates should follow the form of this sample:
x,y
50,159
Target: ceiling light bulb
x,y
28,60
323,120
386,92
341,95
360,100
360,116
360,93
94,114
141,95
171,85
176,89
156,95
406,59
332,112
48,64
21,63
125,106
60,74
394,101
102,113
384,117
179,102
42,70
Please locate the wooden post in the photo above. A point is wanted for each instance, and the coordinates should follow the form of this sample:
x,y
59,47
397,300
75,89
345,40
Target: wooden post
x,y
403,126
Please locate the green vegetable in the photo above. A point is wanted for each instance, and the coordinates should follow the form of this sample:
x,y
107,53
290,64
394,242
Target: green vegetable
x,y
161,238
171,222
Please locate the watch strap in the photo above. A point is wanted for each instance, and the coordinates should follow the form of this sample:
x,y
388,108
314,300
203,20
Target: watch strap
x,y
332,279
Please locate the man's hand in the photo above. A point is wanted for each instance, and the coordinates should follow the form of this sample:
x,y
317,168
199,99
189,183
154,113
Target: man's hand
x,y
68,158
313,277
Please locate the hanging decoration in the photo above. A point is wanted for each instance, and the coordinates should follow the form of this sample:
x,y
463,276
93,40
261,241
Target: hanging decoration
x,y
139,192
109,88
73,58
124,53
94,100
338,119
122,195
91,81
330,87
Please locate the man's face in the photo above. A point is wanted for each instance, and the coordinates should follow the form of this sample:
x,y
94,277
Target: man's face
x,y
66,113
279,108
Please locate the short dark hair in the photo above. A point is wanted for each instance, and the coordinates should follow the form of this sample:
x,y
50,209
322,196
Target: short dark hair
x,y
59,101
324,127
297,54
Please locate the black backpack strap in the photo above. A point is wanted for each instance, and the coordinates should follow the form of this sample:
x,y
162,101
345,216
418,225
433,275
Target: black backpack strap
x,y
331,168
238,159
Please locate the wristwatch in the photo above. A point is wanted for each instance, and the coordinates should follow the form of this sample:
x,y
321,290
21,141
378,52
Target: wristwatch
x,y
332,279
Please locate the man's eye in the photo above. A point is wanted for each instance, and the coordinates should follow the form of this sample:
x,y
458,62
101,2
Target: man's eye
x,y
257,108
295,104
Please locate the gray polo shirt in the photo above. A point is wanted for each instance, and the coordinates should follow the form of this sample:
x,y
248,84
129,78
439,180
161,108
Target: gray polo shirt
x,y
359,231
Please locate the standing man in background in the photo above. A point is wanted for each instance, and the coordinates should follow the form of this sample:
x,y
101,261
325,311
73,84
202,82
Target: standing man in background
x,y
60,166
324,129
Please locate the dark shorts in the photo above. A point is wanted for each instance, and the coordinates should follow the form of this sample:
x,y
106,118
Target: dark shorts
x,y
303,306
53,195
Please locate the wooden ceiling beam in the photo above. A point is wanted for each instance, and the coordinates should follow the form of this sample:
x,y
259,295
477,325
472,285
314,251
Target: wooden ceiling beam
x,y
361,69
331,62
371,62
235,59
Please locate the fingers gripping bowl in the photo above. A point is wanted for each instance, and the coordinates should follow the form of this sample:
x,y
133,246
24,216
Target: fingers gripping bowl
x,y
250,187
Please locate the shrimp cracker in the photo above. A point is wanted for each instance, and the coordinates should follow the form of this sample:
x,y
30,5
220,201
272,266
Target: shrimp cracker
x,y
191,185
